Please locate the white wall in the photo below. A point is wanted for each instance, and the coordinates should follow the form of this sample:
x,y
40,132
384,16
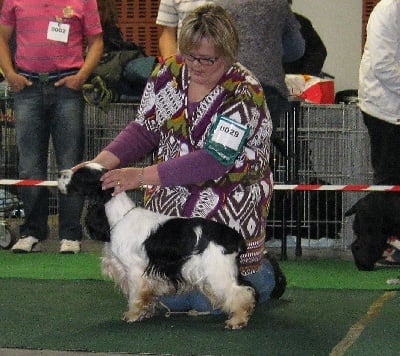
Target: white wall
x,y
339,23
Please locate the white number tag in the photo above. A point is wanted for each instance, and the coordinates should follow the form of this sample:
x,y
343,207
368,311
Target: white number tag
x,y
58,31
226,139
228,133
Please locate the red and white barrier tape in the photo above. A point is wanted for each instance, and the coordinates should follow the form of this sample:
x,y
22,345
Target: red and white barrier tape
x,y
344,188
29,182
294,187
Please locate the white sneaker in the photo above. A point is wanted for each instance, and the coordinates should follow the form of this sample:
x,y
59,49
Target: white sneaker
x,y
394,241
70,246
26,244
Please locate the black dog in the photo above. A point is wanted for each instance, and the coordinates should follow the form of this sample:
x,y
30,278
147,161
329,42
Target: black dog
x,y
377,218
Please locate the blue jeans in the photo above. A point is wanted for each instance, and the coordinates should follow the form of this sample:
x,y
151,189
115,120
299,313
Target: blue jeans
x,y
396,256
43,111
263,281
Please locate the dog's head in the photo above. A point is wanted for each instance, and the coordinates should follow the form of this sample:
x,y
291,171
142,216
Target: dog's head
x,y
374,222
85,182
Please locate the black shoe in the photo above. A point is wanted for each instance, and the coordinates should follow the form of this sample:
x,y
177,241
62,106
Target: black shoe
x,y
280,279
385,263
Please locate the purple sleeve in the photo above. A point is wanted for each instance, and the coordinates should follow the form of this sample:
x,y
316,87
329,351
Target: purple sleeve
x,y
133,143
195,167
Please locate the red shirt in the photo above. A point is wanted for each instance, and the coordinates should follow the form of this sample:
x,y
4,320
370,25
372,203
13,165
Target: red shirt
x,y
31,19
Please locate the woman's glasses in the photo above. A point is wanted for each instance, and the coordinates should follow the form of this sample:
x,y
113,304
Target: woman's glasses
x,y
202,60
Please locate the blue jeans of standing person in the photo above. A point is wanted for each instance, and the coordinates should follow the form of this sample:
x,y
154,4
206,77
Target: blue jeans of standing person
x,y
263,281
43,111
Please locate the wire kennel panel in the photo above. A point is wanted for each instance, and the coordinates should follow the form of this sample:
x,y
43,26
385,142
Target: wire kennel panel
x,y
10,204
332,146
8,156
102,127
335,145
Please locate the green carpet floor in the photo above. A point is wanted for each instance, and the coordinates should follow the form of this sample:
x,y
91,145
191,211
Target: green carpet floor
x,y
61,302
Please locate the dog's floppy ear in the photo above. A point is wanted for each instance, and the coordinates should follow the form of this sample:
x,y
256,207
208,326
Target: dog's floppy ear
x,y
86,181
96,222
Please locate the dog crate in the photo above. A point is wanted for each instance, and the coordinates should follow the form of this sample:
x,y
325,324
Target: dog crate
x,y
100,128
10,204
328,144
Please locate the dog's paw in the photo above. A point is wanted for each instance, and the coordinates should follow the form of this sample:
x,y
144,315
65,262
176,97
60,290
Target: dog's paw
x,y
131,317
235,324
237,320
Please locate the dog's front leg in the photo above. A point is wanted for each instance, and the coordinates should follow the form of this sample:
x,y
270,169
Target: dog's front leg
x,y
240,305
141,301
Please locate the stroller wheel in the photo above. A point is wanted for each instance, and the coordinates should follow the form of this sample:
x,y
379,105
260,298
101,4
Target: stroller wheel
x,y
6,236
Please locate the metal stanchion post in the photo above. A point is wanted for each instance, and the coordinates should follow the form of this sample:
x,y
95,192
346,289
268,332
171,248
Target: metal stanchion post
x,y
295,170
291,122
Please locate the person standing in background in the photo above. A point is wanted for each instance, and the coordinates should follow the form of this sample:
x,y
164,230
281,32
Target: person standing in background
x,y
379,96
49,71
269,35
170,16
315,51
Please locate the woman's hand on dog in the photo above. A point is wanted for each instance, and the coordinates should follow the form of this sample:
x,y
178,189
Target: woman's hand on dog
x,y
130,178
123,179
119,179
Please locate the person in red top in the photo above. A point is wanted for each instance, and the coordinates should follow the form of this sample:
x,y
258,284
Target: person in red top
x,y
46,74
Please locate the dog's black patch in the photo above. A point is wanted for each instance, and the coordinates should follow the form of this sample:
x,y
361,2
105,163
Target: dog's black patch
x,y
377,217
96,222
167,253
86,182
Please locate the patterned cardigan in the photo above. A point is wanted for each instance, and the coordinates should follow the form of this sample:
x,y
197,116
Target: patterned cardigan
x,y
240,198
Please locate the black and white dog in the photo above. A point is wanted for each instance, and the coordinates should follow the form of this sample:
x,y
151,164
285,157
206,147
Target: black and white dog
x,y
149,255
377,218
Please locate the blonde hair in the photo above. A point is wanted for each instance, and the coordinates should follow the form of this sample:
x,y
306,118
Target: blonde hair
x,y
213,23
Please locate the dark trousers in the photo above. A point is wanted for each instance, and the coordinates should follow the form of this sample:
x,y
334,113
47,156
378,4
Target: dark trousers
x,y
276,103
385,150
